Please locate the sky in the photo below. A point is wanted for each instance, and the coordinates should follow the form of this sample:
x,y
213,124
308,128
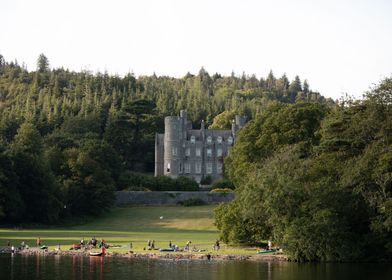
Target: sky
x,y
340,47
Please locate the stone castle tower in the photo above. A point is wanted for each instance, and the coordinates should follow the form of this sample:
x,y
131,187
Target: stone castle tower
x,y
183,151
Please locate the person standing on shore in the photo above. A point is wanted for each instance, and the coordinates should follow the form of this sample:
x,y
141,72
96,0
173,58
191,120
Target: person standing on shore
x,y
39,242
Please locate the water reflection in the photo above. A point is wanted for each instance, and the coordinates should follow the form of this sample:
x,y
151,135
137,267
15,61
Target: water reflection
x,y
63,267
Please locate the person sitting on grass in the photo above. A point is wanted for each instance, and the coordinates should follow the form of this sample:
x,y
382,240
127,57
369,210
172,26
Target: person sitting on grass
x,y
94,242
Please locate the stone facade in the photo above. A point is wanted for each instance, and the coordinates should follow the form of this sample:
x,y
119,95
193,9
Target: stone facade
x,y
196,153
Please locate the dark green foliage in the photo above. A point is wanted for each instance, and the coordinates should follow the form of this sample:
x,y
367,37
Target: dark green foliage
x,y
134,181
42,63
67,138
36,184
222,183
88,187
191,202
316,181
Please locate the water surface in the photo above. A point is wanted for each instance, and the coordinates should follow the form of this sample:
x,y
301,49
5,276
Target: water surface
x,y
77,267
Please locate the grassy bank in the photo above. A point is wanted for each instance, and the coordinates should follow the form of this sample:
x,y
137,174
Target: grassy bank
x,y
133,224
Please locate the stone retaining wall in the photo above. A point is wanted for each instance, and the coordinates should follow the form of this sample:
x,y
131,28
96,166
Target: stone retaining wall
x,y
169,198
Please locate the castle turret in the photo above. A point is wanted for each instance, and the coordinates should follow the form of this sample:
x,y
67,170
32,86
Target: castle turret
x,y
172,146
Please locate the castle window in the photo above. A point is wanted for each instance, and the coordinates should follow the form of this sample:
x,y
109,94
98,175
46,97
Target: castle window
x,y
174,151
230,140
198,152
187,167
209,167
187,152
219,139
193,139
219,152
168,167
219,167
209,140
198,167
209,152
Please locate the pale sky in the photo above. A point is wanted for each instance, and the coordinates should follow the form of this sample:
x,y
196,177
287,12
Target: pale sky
x,y
339,46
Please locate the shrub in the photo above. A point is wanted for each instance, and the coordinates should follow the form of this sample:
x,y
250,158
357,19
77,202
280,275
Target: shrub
x,y
134,181
186,184
191,202
222,183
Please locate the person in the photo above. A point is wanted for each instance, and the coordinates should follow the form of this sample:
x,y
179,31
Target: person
x,y
209,257
153,244
187,247
22,245
102,243
269,245
12,249
82,242
8,243
103,250
217,245
94,241
149,245
39,242
170,244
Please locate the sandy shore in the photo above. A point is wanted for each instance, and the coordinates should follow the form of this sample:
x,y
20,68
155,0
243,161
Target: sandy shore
x,y
155,255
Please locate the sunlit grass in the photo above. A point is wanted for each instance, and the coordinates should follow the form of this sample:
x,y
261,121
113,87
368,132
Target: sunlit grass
x,y
134,225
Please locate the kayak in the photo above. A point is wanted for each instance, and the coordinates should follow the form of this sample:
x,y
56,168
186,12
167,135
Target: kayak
x,y
97,254
266,251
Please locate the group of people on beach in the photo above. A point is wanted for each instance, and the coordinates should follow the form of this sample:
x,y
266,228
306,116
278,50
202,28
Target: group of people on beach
x,y
93,243
23,245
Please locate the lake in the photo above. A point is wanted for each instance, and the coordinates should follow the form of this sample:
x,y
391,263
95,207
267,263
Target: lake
x,y
68,267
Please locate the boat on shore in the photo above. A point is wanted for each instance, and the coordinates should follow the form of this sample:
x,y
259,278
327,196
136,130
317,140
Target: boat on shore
x,y
96,254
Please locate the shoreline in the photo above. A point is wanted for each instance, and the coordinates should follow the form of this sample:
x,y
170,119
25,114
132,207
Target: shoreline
x,y
156,255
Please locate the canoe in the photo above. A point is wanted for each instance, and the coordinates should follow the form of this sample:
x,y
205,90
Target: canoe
x,y
97,254
266,251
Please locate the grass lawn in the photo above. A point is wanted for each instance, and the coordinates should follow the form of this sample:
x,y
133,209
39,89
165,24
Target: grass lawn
x,y
133,224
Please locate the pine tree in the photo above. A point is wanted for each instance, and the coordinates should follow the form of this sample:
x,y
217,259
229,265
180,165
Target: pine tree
x,y
42,63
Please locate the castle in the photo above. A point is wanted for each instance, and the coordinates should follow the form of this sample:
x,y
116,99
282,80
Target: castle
x,y
195,153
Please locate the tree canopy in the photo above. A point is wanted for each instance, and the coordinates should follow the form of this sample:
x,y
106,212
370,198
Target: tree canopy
x,y
316,180
69,139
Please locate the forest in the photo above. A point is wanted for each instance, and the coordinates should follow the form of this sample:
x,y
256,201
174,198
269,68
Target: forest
x,y
312,174
315,179
69,139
